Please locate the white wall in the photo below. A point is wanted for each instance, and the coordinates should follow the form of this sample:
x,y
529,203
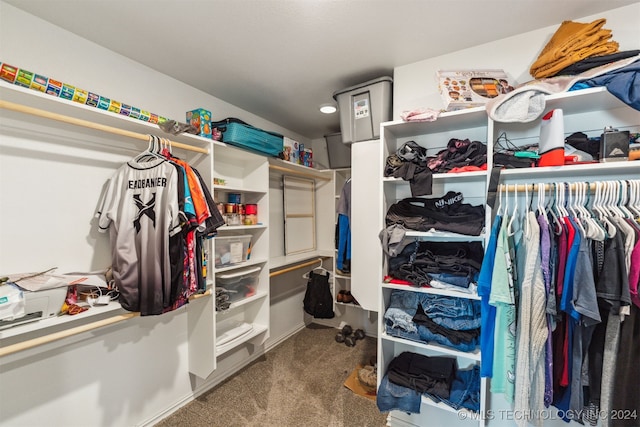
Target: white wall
x,y
134,372
415,85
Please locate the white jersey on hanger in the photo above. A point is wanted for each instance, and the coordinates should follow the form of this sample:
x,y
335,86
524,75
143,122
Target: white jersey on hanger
x,y
140,209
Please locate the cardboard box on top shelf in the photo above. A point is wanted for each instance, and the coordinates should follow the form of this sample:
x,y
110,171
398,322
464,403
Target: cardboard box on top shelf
x,y
201,119
291,150
471,88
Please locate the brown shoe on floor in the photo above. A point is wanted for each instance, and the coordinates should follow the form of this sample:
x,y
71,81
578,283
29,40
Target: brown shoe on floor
x,y
368,376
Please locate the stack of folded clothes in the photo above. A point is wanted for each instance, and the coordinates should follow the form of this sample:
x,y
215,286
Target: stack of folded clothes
x,y
448,321
447,213
444,265
411,375
571,43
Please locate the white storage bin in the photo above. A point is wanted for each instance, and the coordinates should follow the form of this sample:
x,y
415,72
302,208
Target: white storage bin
x,y
230,250
363,107
239,284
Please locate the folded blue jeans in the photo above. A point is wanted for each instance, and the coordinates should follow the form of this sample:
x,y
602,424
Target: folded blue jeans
x,y
423,334
465,390
391,396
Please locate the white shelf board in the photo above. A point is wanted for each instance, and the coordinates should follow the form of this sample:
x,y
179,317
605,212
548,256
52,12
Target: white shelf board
x,y
590,170
435,235
240,227
434,291
232,188
461,176
583,101
474,355
257,330
237,304
40,100
90,315
447,121
325,174
241,265
469,414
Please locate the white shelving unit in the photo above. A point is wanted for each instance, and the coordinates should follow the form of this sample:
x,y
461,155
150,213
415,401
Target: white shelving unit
x,y
468,124
588,111
247,174
341,282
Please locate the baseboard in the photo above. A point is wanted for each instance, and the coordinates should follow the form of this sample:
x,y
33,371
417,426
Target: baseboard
x,y
213,382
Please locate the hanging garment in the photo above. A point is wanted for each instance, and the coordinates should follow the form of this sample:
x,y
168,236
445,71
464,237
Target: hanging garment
x,y
624,402
140,210
488,311
318,301
502,299
343,261
532,331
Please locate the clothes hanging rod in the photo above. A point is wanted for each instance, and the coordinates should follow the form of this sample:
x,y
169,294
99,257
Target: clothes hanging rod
x,y
300,173
91,125
296,267
549,186
45,339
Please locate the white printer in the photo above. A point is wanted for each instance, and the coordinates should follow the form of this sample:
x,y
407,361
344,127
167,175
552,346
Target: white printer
x,y
19,306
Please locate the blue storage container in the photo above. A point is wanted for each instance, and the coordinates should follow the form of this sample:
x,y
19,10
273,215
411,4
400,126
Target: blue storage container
x,y
237,132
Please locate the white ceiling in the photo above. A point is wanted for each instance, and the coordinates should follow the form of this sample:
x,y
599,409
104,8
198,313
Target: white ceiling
x,y
282,59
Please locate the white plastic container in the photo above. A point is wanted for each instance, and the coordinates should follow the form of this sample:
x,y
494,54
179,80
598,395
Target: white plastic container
x,y
239,283
363,107
231,250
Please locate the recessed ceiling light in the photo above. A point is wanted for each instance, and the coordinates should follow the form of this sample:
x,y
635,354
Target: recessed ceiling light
x,y
328,108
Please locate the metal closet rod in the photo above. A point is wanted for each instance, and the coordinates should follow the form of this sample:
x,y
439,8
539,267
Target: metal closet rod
x,y
549,186
90,125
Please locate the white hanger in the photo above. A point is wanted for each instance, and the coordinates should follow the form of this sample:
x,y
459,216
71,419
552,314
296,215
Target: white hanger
x,y
573,203
634,198
540,209
601,191
624,198
499,202
552,210
594,230
319,270
150,153
510,230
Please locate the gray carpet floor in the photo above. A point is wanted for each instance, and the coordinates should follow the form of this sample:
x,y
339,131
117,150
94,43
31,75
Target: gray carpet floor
x,y
298,383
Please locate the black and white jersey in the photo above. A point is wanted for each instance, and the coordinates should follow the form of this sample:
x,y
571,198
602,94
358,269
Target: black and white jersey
x,y
141,211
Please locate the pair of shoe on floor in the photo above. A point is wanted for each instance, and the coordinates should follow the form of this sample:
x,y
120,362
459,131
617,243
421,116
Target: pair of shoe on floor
x,y
346,297
368,377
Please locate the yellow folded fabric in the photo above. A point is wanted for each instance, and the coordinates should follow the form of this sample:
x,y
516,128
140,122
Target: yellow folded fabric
x,y
552,68
587,38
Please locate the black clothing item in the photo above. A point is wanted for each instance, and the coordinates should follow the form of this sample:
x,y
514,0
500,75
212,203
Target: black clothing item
x,y
418,259
456,337
625,399
318,301
411,163
595,61
419,176
612,285
446,213
424,374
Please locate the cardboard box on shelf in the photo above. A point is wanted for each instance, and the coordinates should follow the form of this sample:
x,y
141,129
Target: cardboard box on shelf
x,y
291,150
471,88
201,119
